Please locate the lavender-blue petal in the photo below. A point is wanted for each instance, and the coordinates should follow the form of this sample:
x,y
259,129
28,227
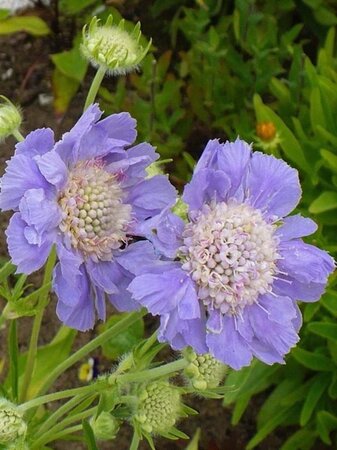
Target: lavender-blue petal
x,y
53,169
272,186
38,142
137,257
40,212
70,262
232,158
206,185
121,127
21,175
229,346
164,231
295,227
149,197
100,274
27,257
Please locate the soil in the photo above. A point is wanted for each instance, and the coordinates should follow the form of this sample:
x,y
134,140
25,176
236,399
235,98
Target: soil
x,y
25,77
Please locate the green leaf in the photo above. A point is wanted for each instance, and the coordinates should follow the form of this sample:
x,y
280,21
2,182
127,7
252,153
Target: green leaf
x,y
30,24
329,301
310,310
313,361
318,386
333,387
282,416
325,329
326,422
89,436
300,440
64,89
194,444
6,270
240,407
330,158
125,341
75,6
4,13
67,61
325,202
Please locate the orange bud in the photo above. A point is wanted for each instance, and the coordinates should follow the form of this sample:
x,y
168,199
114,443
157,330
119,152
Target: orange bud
x,y
266,131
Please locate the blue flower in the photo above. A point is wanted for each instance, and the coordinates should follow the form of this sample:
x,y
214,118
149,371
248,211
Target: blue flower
x,y
85,194
240,263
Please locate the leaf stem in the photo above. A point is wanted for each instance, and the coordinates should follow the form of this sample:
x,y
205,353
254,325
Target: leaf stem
x,y
96,82
13,357
135,441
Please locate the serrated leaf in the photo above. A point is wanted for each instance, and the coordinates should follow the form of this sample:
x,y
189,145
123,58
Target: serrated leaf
x,y
318,386
30,24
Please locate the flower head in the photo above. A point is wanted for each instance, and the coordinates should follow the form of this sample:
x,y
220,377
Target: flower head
x,y
112,47
159,407
105,426
240,263
88,196
10,118
12,425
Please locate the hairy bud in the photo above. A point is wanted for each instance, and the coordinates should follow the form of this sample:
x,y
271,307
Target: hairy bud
x,y
204,371
12,425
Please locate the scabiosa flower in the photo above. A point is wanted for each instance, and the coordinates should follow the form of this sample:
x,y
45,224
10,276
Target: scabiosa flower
x,y
240,262
86,194
113,48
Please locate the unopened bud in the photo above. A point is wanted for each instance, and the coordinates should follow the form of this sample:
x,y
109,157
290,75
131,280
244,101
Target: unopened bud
x,y
10,118
204,371
159,407
112,47
105,426
12,425
266,131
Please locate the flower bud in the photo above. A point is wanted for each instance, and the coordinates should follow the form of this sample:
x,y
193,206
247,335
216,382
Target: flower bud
x,y
10,118
12,426
266,131
158,408
112,47
204,371
105,426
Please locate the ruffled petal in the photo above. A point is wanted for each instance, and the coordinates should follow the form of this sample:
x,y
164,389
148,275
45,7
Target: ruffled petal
x,y
149,197
232,158
294,227
69,146
121,127
70,262
122,300
100,275
164,231
28,257
137,257
161,293
206,185
229,346
21,175
75,307
40,212
38,142
272,186
53,169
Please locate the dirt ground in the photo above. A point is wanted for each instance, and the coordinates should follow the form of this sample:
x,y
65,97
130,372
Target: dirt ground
x,y
25,73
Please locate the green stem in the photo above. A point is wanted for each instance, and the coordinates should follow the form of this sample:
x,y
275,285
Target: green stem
x,y
13,357
56,436
96,82
68,406
32,351
48,436
120,326
135,441
95,387
18,136
151,374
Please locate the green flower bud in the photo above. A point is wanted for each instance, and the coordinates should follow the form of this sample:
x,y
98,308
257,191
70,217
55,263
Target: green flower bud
x,y
12,426
159,407
10,118
105,426
112,47
204,371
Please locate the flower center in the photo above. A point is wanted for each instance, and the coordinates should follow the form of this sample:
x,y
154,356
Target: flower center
x,y
94,218
231,254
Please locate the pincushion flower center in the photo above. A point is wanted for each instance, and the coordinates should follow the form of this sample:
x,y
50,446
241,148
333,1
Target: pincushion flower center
x,y
231,254
95,219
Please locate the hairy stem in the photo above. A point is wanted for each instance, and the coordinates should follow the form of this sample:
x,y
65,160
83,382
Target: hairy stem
x,y
18,136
